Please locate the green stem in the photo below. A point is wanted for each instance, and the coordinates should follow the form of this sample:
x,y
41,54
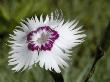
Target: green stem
x,y
103,46
57,76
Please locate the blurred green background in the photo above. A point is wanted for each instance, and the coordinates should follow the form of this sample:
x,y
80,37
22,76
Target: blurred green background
x,y
93,14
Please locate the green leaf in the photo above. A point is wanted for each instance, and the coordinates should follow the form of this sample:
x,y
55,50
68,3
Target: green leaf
x,y
23,10
4,12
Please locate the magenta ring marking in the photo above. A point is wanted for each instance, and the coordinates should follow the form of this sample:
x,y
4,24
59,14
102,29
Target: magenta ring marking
x,y
48,44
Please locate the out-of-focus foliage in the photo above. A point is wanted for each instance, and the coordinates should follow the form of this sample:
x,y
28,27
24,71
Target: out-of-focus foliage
x,y
93,14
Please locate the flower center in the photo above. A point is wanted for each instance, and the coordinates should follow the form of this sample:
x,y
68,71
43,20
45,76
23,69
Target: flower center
x,y
42,38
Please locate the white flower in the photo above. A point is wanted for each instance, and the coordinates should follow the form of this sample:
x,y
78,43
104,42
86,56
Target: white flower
x,y
46,42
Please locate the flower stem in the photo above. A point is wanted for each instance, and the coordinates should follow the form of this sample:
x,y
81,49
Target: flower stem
x,y
57,76
103,46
